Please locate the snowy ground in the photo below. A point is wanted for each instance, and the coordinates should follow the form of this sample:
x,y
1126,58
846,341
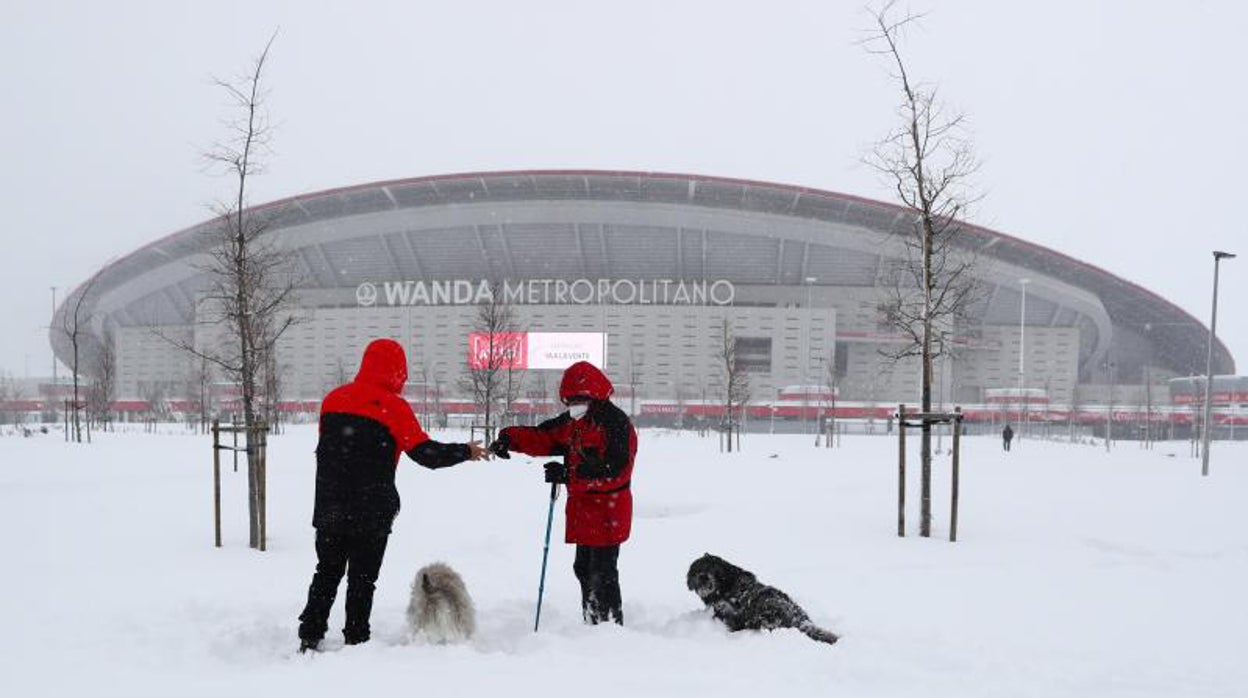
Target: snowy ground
x,y
1077,573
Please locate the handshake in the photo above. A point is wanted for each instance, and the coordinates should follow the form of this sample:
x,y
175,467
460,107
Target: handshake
x,y
501,447
556,472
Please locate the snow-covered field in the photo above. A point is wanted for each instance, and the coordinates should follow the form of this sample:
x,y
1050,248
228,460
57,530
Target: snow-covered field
x,y
1077,573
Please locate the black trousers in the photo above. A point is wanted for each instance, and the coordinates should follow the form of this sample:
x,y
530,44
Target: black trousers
x,y
358,555
596,570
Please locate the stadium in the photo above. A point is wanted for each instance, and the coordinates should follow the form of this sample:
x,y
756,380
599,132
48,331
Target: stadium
x,y
650,267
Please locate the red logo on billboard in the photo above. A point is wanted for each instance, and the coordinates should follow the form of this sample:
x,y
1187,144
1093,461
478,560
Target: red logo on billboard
x,y
506,350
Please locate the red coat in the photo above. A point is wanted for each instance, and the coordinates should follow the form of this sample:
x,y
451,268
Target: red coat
x,y
598,450
377,394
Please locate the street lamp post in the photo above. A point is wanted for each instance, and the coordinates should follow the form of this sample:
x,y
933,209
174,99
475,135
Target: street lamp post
x,y
819,400
1109,403
50,322
603,303
1218,256
810,331
1022,353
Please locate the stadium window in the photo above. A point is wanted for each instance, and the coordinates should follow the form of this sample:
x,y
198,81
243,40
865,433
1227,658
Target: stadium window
x,y
754,354
841,356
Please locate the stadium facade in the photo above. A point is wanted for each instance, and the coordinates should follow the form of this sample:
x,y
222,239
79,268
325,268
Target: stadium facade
x,y
658,262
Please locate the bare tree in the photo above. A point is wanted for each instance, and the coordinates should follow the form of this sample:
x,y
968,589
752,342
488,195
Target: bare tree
x,y
75,323
735,381
540,392
155,394
423,372
682,403
431,394
340,375
438,409
104,383
201,377
513,383
6,398
190,401
251,283
636,363
271,389
928,160
10,393
489,375
832,378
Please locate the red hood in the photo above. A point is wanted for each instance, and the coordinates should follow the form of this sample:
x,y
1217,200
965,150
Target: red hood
x,y
384,365
583,378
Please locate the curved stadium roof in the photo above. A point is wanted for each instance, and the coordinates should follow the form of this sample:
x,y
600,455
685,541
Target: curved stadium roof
x,y
607,224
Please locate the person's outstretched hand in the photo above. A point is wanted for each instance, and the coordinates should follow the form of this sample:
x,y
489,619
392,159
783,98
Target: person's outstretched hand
x,y
501,447
478,451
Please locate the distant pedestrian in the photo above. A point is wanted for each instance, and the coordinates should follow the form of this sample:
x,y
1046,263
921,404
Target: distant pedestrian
x,y
1007,435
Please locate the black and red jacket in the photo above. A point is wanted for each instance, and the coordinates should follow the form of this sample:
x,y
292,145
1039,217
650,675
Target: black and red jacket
x,y
365,425
598,450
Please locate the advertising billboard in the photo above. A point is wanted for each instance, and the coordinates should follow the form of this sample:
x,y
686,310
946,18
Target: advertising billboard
x,y
534,350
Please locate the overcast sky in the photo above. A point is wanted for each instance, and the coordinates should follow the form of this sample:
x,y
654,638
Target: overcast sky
x,y
1110,131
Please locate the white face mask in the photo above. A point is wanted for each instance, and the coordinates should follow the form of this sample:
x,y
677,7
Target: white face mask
x,y
577,411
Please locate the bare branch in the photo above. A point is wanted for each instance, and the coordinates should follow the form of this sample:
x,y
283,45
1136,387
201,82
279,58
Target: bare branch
x,y
490,376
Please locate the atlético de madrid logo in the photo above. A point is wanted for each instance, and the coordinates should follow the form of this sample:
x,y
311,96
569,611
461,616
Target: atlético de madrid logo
x,y
366,294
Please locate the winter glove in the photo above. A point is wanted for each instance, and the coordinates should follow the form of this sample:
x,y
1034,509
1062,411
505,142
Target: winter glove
x,y
556,473
501,447
593,465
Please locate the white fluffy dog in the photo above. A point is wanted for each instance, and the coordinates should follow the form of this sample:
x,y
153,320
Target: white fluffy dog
x,y
440,608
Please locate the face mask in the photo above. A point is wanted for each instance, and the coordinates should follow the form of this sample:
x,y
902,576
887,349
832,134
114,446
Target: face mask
x,y
577,411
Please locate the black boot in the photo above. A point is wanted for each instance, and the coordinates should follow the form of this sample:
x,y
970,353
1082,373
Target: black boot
x,y
306,646
595,568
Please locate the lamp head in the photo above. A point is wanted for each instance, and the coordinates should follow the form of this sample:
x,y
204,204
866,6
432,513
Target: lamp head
x,y
1218,254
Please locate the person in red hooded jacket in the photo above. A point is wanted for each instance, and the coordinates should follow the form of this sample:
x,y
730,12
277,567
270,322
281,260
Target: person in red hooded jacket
x,y
365,426
598,444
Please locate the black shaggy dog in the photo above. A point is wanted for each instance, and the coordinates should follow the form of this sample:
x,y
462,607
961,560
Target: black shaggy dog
x,y
738,599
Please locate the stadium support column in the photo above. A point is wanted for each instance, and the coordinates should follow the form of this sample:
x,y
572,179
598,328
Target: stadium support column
x,y
1213,331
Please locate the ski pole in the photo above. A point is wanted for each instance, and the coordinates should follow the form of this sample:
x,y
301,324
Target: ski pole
x,y
541,585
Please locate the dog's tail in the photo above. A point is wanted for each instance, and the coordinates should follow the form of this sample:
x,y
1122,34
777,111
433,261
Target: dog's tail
x,y
815,632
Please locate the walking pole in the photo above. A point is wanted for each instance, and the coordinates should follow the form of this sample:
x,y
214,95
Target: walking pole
x,y
541,585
